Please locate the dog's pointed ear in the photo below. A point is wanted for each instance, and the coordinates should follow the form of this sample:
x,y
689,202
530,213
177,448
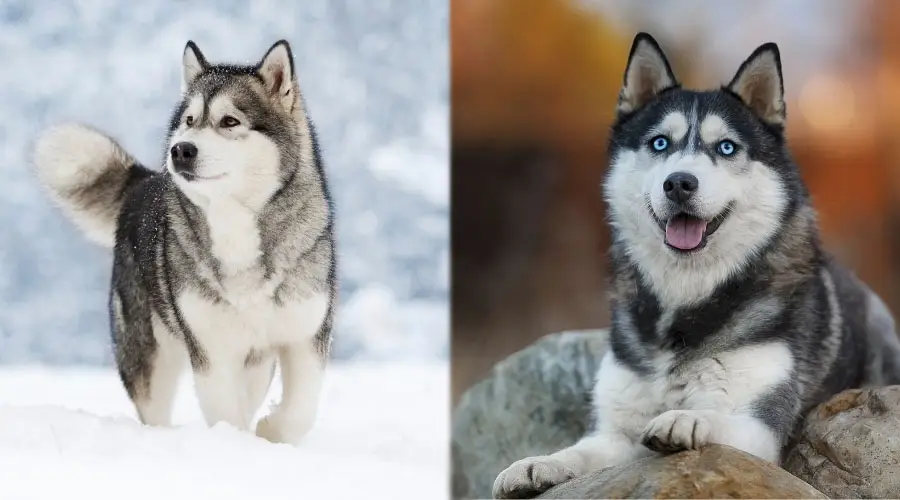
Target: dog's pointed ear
x,y
192,64
647,74
277,72
759,83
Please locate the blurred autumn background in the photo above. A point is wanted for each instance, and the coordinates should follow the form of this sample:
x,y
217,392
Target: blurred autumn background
x,y
534,84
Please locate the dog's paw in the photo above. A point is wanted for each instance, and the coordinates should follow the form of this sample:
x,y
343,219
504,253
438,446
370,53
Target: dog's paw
x,y
531,476
677,430
277,429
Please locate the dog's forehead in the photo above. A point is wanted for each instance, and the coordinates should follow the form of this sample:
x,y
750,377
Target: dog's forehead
x,y
221,103
707,116
234,84
240,93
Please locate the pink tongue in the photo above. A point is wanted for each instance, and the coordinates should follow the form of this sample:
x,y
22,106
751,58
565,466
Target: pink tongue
x,y
685,233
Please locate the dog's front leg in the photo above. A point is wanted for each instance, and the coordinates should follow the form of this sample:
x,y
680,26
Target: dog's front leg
x,y
743,398
677,430
533,475
221,392
302,371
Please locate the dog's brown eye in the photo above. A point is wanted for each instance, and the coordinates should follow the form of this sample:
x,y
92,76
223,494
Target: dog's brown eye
x,y
229,121
189,121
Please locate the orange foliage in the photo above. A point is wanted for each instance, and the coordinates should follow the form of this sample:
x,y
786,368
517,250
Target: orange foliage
x,y
532,69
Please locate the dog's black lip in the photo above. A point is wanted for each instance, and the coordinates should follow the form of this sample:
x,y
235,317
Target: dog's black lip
x,y
190,176
711,227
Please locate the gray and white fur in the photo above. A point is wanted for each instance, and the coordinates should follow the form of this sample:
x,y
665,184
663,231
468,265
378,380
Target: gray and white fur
x,y
729,320
224,261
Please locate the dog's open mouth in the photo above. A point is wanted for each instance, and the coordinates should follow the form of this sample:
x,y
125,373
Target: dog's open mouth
x,y
687,233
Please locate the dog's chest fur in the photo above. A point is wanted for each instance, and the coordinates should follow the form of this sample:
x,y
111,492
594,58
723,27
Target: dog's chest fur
x,y
646,335
236,245
250,297
732,381
256,324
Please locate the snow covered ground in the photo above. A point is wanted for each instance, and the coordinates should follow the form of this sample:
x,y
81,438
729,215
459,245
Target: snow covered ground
x,y
382,432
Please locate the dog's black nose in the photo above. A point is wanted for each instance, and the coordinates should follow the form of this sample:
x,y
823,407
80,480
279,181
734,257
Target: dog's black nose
x,y
184,155
680,186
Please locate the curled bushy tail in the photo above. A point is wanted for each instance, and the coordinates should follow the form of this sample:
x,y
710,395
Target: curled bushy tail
x,y
86,173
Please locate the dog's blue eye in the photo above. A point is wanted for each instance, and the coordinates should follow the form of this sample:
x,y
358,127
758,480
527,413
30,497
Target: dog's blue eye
x,y
726,148
660,143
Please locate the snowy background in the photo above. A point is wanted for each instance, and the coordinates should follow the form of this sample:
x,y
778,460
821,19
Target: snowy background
x,y
375,75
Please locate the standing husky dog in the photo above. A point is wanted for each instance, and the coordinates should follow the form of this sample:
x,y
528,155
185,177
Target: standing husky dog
x,y
729,321
225,261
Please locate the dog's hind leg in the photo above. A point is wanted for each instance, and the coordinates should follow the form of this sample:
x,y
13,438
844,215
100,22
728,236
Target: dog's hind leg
x,y
150,364
167,367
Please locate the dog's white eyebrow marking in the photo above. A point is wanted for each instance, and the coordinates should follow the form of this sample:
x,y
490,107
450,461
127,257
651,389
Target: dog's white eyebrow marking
x,y
221,105
714,129
194,107
674,124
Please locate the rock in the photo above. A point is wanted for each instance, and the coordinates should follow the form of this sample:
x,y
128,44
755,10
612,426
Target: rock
x,y
532,403
536,402
850,445
712,472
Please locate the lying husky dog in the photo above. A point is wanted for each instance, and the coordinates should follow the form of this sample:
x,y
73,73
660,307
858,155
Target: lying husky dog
x,y
729,320
224,261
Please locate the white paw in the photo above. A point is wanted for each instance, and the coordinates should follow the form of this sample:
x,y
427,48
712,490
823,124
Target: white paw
x,y
278,429
531,476
677,430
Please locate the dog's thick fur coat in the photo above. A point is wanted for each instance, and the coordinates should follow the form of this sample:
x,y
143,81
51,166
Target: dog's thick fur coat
x,y
729,320
224,261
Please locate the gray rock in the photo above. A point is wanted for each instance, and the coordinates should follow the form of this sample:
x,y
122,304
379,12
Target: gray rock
x,y
532,403
711,472
850,445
